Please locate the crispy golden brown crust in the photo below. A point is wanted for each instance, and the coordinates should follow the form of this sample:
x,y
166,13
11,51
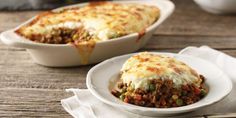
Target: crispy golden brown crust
x,y
116,18
36,19
144,66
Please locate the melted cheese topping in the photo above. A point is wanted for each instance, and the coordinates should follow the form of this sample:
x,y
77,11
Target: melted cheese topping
x,y
141,68
104,20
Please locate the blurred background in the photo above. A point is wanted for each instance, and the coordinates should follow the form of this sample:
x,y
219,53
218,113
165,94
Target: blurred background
x,y
212,6
34,4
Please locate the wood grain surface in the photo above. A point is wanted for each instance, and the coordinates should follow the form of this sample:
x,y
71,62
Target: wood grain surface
x,y
31,90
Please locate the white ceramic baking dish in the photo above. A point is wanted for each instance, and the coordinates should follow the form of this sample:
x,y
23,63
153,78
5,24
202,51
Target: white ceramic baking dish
x,y
63,55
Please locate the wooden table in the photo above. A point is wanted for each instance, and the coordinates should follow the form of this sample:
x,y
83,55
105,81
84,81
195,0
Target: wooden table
x,y
31,90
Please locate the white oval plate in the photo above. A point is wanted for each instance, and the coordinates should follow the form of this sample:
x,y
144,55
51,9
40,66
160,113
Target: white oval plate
x,y
101,76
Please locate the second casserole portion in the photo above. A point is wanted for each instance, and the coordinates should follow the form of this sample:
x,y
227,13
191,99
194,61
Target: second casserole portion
x,y
98,21
160,81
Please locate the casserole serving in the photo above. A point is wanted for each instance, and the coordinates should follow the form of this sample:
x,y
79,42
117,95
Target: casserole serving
x,y
159,81
95,22
90,32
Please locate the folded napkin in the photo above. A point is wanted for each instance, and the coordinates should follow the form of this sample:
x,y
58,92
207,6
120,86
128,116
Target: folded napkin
x,y
84,105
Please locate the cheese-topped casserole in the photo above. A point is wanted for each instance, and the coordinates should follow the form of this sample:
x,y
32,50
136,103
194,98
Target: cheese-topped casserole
x,y
156,80
141,68
97,21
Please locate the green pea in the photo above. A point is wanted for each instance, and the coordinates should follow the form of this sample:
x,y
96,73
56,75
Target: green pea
x,y
75,37
114,36
122,97
179,102
152,87
184,93
203,92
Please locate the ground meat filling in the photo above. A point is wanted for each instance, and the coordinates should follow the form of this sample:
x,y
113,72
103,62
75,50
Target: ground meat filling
x,y
161,94
62,36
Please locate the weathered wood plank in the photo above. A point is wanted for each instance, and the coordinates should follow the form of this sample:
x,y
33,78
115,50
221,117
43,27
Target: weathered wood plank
x,y
9,20
39,94
18,71
189,19
182,41
32,103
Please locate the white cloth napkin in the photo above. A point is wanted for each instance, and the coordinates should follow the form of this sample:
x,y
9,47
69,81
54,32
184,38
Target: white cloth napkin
x,y
84,105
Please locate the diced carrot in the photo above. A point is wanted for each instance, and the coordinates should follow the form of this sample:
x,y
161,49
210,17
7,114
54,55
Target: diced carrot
x,y
126,100
163,102
138,97
197,91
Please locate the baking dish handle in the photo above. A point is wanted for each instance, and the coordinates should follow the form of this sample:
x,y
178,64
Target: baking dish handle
x,y
12,39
